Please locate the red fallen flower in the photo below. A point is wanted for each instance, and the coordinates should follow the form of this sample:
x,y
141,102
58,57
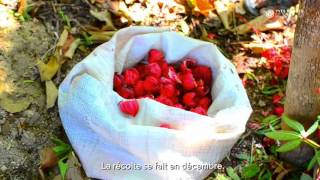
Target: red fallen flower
x,y
117,81
167,90
284,73
164,68
188,81
165,125
204,102
131,76
277,66
269,53
187,64
151,84
139,89
211,36
164,100
153,69
178,106
155,56
276,99
189,99
126,92
129,107
173,75
199,110
286,52
267,142
204,73
278,110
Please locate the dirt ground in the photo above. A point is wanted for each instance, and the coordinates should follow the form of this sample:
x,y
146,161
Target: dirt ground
x,y
30,125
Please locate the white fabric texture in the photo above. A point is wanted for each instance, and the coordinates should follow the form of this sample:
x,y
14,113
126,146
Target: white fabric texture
x,y
101,135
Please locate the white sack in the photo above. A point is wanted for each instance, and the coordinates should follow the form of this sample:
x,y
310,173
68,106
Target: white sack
x,y
101,135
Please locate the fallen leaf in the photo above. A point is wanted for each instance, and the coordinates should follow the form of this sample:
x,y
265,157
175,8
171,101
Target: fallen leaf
x,y
260,23
204,6
47,71
74,171
225,12
48,158
73,46
104,16
63,38
22,6
67,43
13,105
52,94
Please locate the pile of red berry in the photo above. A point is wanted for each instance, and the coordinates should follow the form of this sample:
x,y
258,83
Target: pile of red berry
x,y
184,85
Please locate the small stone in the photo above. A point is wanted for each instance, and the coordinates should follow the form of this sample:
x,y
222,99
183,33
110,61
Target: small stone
x,y
262,103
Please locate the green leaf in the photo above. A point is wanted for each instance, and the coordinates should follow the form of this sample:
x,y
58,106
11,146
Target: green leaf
x,y
250,171
313,128
63,167
270,90
305,176
293,124
312,162
58,142
231,173
283,135
265,176
270,118
62,150
289,146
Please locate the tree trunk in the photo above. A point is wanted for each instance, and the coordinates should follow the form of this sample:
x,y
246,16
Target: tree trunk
x,y
303,95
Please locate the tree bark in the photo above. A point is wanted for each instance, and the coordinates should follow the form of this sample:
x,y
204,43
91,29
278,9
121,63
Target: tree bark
x,y
302,94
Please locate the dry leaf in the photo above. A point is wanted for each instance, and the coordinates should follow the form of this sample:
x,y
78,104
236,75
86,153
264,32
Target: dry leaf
x,y
48,158
47,71
261,23
257,48
73,46
204,6
67,44
74,170
22,6
225,12
52,94
12,105
63,38
104,16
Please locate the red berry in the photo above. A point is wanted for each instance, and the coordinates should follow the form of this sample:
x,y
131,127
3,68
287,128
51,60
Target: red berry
x,y
118,81
188,81
131,76
278,110
164,100
141,69
167,90
187,64
201,89
154,69
139,89
126,92
199,110
155,56
204,73
189,99
204,102
165,125
178,106
173,75
151,84
129,107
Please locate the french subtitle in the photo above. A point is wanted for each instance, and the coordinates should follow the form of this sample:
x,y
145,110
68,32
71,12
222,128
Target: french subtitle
x,y
161,166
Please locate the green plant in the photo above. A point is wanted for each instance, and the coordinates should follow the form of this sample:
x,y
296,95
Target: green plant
x,y
295,137
62,150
